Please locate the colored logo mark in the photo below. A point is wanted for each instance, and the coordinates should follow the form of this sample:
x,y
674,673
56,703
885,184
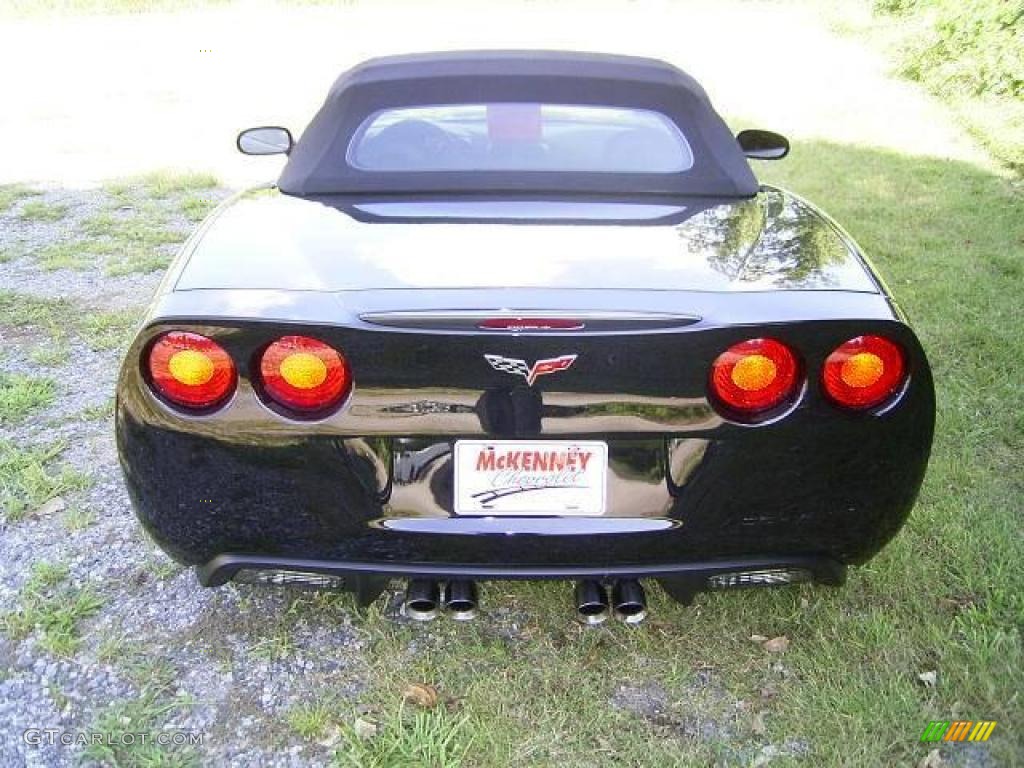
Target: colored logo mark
x,y
958,730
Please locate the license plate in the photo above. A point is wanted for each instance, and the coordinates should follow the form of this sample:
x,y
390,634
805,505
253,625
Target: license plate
x,y
522,478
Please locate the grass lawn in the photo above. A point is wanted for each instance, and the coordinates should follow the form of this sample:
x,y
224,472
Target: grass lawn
x,y
526,685
689,686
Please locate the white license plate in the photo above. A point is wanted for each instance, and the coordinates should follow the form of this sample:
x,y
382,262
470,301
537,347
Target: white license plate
x,y
517,477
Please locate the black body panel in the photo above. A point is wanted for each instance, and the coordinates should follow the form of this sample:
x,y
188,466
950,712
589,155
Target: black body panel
x,y
367,491
814,482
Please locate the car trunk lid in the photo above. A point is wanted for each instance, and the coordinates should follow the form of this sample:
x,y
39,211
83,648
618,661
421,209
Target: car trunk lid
x,y
772,241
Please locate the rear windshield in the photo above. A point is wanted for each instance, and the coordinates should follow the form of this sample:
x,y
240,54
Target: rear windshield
x,y
519,137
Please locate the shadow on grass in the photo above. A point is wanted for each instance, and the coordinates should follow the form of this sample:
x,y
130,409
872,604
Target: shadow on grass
x,y
946,596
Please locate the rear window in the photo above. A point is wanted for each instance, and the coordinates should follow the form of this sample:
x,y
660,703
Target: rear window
x,y
519,137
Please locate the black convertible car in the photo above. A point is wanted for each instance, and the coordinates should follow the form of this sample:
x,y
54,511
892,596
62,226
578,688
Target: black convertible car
x,y
522,315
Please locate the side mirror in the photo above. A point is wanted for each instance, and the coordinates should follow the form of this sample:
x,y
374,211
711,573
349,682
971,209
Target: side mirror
x,y
763,145
267,140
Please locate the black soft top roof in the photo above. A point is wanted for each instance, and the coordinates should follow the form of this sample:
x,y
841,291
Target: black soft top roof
x,y
317,165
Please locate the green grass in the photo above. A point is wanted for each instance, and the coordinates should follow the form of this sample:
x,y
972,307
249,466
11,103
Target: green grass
x,y
50,316
134,235
163,568
100,412
20,395
434,739
66,254
11,253
12,193
113,647
23,311
37,210
160,185
274,645
77,519
109,330
61,320
134,243
311,721
969,53
54,610
28,478
196,208
155,705
51,355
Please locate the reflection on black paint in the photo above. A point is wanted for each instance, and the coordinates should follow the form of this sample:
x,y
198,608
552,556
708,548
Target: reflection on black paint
x,y
771,239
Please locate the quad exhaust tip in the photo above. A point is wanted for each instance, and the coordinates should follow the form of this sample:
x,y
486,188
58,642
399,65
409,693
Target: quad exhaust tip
x,y
628,602
591,602
460,600
422,600
425,599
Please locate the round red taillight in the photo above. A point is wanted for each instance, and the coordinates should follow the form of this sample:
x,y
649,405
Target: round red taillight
x,y
191,371
304,375
754,377
864,372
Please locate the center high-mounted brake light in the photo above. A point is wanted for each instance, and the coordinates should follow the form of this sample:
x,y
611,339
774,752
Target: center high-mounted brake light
x,y
754,377
304,375
521,324
191,371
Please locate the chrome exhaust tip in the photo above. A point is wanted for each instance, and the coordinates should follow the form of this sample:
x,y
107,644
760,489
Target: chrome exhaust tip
x,y
460,600
591,602
629,601
422,600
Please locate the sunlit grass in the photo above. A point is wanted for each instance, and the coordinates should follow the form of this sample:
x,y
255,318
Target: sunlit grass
x,y
28,478
53,610
75,255
37,210
160,185
109,330
12,193
20,395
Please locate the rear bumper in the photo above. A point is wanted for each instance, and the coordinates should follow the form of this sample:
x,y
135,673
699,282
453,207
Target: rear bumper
x,y
681,580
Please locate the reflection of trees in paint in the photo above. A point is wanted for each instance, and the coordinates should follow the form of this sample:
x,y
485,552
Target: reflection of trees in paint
x,y
768,239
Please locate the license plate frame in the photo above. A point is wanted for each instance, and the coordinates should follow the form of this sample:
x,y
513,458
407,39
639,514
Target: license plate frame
x,y
530,478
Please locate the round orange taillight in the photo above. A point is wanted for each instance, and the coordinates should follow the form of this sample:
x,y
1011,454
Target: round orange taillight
x,y
754,377
304,375
191,371
864,372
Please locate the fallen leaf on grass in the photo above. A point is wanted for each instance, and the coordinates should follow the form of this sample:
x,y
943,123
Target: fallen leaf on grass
x,y
757,724
333,737
776,644
364,728
928,678
932,760
421,694
54,505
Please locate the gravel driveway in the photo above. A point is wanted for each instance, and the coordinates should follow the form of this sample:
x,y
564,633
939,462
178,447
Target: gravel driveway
x,y
156,652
